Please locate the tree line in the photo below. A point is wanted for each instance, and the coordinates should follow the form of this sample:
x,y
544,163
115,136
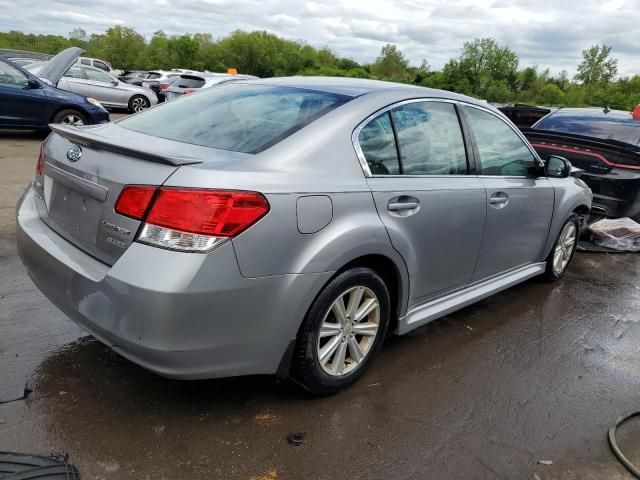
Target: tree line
x,y
484,69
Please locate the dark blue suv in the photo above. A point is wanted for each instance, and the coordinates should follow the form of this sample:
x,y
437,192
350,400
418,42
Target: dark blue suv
x,y
30,102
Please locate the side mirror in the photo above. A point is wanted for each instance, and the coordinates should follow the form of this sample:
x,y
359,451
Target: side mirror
x,y
557,167
32,83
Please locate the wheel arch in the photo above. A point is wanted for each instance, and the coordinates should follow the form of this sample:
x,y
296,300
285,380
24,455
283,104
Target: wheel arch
x,y
71,106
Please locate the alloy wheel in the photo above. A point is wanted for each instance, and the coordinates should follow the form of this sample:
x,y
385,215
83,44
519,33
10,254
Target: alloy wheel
x,y
139,104
72,119
564,248
348,331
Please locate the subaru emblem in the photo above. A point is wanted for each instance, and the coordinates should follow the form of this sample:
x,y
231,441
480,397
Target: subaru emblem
x,y
74,153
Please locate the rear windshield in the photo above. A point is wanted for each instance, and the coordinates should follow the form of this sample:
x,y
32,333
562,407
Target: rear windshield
x,y
187,81
598,126
238,117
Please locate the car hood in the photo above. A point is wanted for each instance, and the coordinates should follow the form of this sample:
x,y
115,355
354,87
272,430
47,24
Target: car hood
x,y
55,68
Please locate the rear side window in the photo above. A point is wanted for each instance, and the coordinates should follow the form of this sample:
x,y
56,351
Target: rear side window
x,y
429,139
378,145
420,138
188,81
237,117
100,65
502,151
609,127
152,75
85,61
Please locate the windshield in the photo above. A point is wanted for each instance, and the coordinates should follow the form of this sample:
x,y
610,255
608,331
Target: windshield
x,y
609,127
238,117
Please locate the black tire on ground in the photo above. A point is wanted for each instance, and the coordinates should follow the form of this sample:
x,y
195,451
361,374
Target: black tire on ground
x,y
138,103
551,273
306,364
69,117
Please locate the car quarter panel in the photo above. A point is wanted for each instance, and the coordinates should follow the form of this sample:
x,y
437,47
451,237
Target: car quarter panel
x,y
177,314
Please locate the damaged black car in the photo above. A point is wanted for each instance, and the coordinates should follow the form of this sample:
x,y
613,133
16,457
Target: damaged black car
x,y
602,142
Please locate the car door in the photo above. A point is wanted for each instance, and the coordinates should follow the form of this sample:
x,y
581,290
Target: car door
x,y
21,104
519,198
104,87
75,81
414,155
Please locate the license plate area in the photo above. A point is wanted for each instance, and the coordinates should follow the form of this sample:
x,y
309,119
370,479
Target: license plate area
x,y
74,212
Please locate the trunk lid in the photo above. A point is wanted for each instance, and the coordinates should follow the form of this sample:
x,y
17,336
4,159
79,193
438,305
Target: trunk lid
x,y
83,173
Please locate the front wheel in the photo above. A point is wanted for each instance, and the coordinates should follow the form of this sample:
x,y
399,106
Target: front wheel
x,y
343,330
69,117
138,103
560,257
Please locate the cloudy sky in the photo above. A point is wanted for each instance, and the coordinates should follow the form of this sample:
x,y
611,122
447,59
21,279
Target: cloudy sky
x,y
549,33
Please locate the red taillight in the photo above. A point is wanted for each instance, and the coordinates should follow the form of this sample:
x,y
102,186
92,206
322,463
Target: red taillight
x,y
134,200
40,163
164,88
188,91
217,213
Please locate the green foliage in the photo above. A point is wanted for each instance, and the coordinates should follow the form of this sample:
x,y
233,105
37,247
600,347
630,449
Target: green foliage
x,y
391,65
596,67
484,69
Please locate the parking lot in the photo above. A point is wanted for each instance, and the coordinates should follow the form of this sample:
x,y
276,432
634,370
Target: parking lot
x,y
522,385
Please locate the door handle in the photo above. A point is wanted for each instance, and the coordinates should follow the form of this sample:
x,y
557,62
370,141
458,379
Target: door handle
x,y
499,199
399,206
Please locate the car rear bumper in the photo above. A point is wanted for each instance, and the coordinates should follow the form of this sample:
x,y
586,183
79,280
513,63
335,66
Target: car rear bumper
x,y
180,315
616,193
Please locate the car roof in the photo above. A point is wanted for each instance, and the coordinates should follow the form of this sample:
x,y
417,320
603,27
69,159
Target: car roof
x,y
355,87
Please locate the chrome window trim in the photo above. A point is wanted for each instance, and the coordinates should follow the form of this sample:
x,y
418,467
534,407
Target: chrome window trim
x,y
377,113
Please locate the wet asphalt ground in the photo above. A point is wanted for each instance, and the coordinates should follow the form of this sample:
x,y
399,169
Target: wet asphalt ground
x,y
536,373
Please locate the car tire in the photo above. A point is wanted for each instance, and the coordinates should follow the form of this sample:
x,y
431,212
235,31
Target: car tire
x,y
563,249
70,117
354,340
138,103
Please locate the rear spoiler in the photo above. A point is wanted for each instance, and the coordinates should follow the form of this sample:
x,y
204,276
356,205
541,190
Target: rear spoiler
x,y
608,144
87,138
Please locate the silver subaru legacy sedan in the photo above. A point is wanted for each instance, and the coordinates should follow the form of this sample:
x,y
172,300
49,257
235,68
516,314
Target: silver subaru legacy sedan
x,y
287,226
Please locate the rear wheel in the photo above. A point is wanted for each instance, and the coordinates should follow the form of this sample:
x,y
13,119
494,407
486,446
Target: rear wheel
x,y
69,117
343,331
560,257
138,103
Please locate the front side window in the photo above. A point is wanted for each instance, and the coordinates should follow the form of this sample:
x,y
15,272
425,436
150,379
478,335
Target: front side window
x,y
12,76
97,75
100,65
378,145
235,116
502,152
85,61
430,139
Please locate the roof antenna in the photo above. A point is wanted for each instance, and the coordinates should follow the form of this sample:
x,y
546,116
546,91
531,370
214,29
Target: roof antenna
x,y
606,109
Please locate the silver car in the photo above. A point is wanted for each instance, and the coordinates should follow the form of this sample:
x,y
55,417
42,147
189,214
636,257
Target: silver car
x,y
104,87
287,226
193,83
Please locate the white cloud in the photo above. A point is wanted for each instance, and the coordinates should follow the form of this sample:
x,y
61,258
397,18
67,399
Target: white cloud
x,y
545,32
